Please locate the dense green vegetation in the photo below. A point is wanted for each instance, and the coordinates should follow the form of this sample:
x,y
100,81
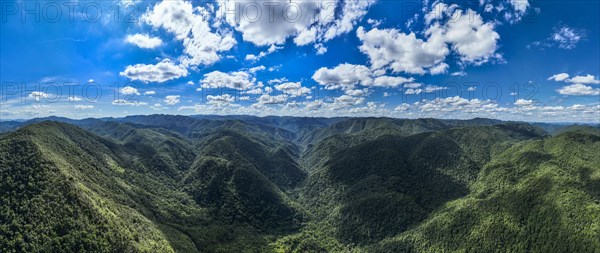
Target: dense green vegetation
x,y
163,183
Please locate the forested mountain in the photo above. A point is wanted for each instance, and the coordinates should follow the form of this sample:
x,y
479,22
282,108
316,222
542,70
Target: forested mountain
x,y
165,183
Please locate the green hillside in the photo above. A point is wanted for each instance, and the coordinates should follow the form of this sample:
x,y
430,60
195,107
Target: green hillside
x,y
538,196
163,183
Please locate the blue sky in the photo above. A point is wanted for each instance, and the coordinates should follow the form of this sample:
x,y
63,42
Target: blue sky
x,y
511,59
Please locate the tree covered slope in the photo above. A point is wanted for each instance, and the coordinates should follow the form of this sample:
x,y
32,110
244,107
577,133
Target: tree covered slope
x,y
538,196
163,183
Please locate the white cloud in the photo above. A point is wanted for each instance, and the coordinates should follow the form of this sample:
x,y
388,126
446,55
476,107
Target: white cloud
x,y
294,89
238,80
128,90
352,10
374,22
321,49
278,80
158,107
402,52
255,91
143,41
474,40
270,50
74,99
523,102
456,103
344,76
356,92
256,69
390,81
588,79
262,27
344,101
439,69
220,99
190,25
305,21
564,77
578,90
190,82
412,85
83,107
563,37
172,99
150,92
268,99
38,95
511,10
413,91
566,37
128,102
434,88
559,77
163,71
458,73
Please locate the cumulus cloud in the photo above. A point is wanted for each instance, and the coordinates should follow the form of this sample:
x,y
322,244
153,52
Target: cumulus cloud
x,y
190,25
412,85
220,99
579,90
456,103
304,21
413,91
587,79
143,41
128,90
472,39
356,92
523,102
345,101
458,73
150,92
38,95
238,80
256,69
559,77
510,10
158,107
564,77
74,99
266,99
402,52
172,99
434,88
294,89
128,102
161,72
270,50
83,107
391,81
344,76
